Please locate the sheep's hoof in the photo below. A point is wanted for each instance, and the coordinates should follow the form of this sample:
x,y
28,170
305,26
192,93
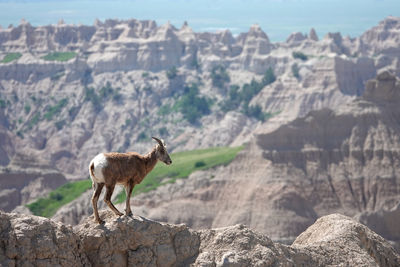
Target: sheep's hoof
x,y
129,213
119,214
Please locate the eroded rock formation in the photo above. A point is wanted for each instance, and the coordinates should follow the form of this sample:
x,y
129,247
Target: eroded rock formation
x,y
131,58
137,241
25,179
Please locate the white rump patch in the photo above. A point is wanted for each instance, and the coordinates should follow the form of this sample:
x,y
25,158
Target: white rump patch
x,y
100,162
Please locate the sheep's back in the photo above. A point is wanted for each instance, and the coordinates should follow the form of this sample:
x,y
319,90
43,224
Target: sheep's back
x,y
123,166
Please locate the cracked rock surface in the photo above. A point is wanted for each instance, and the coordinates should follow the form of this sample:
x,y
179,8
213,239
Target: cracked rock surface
x,y
333,240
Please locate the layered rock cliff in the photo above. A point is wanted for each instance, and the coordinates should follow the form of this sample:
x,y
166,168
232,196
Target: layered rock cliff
x,y
25,179
137,241
115,84
132,44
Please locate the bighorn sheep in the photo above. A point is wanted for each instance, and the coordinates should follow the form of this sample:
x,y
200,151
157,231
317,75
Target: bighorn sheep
x,y
128,169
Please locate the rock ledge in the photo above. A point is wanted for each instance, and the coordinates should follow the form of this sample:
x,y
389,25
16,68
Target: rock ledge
x,y
137,241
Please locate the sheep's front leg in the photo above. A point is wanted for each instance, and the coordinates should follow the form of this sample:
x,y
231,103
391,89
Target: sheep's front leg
x,y
96,194
128,190
107,199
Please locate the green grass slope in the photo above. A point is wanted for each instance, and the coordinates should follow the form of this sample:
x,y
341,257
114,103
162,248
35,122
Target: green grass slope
x,y
48,206
59,56
10,57
183,164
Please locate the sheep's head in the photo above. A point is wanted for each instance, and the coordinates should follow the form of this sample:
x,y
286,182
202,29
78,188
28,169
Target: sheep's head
x,y
161,152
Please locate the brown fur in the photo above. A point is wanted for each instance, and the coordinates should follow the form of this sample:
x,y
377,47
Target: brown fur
x,y
128,169
124,167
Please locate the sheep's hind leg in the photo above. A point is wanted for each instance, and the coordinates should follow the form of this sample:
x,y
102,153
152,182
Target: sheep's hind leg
x,y
107,199
128,191
96,194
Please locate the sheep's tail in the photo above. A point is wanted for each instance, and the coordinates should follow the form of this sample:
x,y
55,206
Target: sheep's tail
x,y
91,171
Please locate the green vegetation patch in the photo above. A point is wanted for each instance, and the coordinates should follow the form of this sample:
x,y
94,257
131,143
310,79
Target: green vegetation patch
x,y
172,73
163,131
164,110
99,97
300,55
34,120
48,206
59,56
53,110
60,124
239,98
296,71
27,109
219,76
50,112
57,75
10,57
142,136
191,105
195,64
3,103
183,164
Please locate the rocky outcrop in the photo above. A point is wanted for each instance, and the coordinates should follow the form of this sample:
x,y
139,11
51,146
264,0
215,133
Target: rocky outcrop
x,y
132,45
328,233
296,37
384,222
382,42
6,142
31,70
137,241
25,179
313,35
381,39
385,89
31,240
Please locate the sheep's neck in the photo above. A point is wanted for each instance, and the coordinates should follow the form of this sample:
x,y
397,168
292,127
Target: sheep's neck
x,y
151,161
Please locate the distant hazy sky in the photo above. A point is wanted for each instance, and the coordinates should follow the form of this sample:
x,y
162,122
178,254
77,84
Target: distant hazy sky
x,y
278,18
